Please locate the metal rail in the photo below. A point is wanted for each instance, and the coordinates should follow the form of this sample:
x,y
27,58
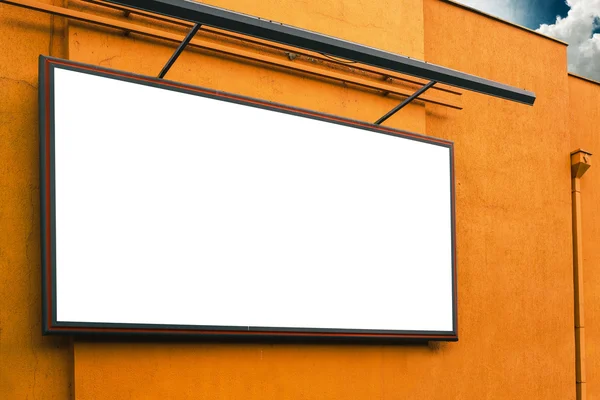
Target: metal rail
x,y
267,44
289,35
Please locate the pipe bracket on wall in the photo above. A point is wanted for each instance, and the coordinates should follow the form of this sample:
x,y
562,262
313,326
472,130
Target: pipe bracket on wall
x,y
179,50
405,102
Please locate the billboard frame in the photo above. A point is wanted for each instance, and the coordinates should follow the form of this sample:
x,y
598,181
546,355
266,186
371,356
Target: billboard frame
x,y
50,325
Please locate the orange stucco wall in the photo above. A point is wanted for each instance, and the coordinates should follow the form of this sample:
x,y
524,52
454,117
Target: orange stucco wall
x,y
31,366
513,208
513,214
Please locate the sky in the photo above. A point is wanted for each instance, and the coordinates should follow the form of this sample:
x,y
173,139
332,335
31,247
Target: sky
x,y
576,22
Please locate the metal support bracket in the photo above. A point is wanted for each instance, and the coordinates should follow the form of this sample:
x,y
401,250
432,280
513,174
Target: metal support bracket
x,y
179,49
405,102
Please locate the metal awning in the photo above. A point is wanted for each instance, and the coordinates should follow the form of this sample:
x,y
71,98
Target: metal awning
x,y
202,14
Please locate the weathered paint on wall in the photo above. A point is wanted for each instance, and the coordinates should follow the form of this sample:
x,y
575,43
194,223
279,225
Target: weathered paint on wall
x,y
31,366
513,215
584,117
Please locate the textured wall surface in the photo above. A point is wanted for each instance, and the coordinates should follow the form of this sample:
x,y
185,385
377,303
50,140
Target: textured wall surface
x,y
513,214
513,210
31,366
584,118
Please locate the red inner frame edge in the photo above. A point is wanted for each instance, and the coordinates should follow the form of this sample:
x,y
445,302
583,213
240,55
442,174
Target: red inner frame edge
x,y
49,303
49,307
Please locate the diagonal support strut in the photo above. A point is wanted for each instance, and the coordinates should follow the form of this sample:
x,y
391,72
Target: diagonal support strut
x,y
405,102
177,52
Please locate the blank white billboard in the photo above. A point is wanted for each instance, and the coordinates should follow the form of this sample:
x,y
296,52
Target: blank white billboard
x,y
175,209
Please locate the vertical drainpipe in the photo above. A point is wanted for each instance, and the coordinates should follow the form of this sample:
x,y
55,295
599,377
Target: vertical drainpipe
x,y
580,163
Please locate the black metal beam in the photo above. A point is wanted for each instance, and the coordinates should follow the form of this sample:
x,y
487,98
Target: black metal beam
x,y
178,51
273,31
405,102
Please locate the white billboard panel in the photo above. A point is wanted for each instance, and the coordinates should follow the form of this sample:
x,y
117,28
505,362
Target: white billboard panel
x,y
175,209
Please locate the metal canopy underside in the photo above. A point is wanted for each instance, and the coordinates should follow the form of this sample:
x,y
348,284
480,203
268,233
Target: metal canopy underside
x,y
276,32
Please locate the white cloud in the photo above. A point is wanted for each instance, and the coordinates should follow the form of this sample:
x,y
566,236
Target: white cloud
x,y
577,30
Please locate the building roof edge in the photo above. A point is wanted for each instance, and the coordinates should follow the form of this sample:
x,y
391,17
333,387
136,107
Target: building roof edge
x,y
584,78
